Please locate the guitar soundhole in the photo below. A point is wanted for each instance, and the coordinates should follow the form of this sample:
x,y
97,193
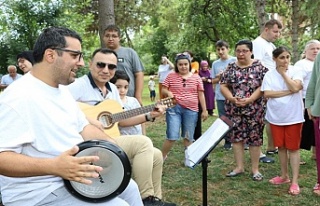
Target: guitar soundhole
x,y
105,119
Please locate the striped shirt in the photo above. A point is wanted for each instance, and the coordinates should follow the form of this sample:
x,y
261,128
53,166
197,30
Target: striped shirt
x,y
185,91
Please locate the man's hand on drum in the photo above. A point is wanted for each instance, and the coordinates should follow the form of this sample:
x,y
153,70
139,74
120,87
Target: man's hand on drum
x,y
77,169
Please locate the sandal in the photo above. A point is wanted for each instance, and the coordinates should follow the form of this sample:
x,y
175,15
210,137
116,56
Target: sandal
x,y
294,189
233,173
316,189
279,181
257,177
266,159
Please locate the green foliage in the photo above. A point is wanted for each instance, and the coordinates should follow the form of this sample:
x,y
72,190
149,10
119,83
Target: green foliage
x,y
157,27
20,31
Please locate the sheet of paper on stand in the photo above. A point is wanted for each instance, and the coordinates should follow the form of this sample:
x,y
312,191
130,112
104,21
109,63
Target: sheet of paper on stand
x,y
196,151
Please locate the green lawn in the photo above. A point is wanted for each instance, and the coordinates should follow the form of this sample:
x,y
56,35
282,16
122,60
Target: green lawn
x,y
183,185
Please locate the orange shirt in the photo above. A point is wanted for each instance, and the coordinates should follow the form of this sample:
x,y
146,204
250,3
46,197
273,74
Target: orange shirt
x,y
195,67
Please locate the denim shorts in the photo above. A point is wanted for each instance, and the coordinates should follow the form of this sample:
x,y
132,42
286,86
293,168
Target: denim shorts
x,y
178,118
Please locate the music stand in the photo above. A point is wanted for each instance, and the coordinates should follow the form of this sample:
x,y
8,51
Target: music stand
x,y
200,149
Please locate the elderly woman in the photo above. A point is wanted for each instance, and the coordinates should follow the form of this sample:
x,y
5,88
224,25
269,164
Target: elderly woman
x,y
310,52
245,106
285,114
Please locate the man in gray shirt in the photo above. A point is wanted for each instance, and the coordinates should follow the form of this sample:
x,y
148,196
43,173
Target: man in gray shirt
x,y
128,60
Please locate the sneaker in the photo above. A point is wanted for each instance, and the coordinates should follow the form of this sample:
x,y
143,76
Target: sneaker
x,y
272,152
154,201
227,146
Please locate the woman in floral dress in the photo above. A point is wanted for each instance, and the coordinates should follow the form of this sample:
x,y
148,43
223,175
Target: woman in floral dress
x,y
245,106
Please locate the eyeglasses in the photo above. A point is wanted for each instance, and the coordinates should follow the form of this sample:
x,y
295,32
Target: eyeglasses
x,y
74,52
184,82
111,36
102,65
242,51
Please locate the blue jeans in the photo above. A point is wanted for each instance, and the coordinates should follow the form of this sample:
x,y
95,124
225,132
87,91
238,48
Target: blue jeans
x,y
221,110
178,118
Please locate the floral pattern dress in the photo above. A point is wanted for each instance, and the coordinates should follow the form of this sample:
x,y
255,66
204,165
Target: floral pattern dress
x,y
249,120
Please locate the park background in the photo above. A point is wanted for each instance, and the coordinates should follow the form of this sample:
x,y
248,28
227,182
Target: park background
x,y
183,185
156,27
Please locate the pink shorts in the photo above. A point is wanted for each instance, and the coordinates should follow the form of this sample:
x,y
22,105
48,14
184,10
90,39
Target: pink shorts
x,y
286,136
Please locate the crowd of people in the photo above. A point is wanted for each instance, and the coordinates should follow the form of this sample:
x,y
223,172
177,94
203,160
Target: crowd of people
x,y
258,89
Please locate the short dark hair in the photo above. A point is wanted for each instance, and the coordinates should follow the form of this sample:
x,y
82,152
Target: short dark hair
x,y
246,42
112,27
52,37
269,24
222,43
104,51
120,74
280,50
28,55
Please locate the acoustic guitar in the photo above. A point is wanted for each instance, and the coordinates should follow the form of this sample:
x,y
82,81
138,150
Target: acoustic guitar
x,y
110,112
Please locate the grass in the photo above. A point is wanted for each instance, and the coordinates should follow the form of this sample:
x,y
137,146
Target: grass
x,y
183,185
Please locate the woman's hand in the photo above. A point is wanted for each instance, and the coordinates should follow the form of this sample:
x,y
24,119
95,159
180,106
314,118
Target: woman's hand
x,y
242,102
204,115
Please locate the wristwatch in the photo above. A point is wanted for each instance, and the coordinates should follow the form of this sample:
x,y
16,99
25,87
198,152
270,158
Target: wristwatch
x,y
149,118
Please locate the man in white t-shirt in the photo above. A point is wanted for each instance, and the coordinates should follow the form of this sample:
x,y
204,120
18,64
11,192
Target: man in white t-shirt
x,y
37,157
262,50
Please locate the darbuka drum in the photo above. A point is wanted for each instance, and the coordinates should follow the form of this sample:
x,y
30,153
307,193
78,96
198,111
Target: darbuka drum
x,y
112,180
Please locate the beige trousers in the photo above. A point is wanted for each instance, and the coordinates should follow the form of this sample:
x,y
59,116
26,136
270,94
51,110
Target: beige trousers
x,y
146,162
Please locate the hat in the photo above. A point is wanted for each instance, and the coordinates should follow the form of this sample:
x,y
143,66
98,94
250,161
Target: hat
x,y
204,63
28,55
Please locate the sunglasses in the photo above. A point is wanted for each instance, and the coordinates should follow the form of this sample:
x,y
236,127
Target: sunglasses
x,y
74,52
102,65
182,56
184,82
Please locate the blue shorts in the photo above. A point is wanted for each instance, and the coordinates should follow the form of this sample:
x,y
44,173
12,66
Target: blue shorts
x,y
178,117
152,93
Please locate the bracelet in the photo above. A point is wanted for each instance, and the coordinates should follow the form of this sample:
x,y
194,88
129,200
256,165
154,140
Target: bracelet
x,y
149,118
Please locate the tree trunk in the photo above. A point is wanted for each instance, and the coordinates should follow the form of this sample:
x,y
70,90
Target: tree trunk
x,y
106,16
261,13
295,30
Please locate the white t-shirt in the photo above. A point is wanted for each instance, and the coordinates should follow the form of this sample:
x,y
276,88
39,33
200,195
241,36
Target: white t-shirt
x,y
37,121
262,50
286,110
151,85
163,71
306,66
132,103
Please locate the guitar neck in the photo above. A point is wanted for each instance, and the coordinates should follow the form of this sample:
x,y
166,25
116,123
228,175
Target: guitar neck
x,y
117,117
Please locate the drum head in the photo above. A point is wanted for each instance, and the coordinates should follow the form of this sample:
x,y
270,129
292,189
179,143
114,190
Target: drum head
x,y
112,180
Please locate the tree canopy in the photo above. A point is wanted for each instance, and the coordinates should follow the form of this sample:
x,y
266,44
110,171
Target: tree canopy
x,y
156,27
